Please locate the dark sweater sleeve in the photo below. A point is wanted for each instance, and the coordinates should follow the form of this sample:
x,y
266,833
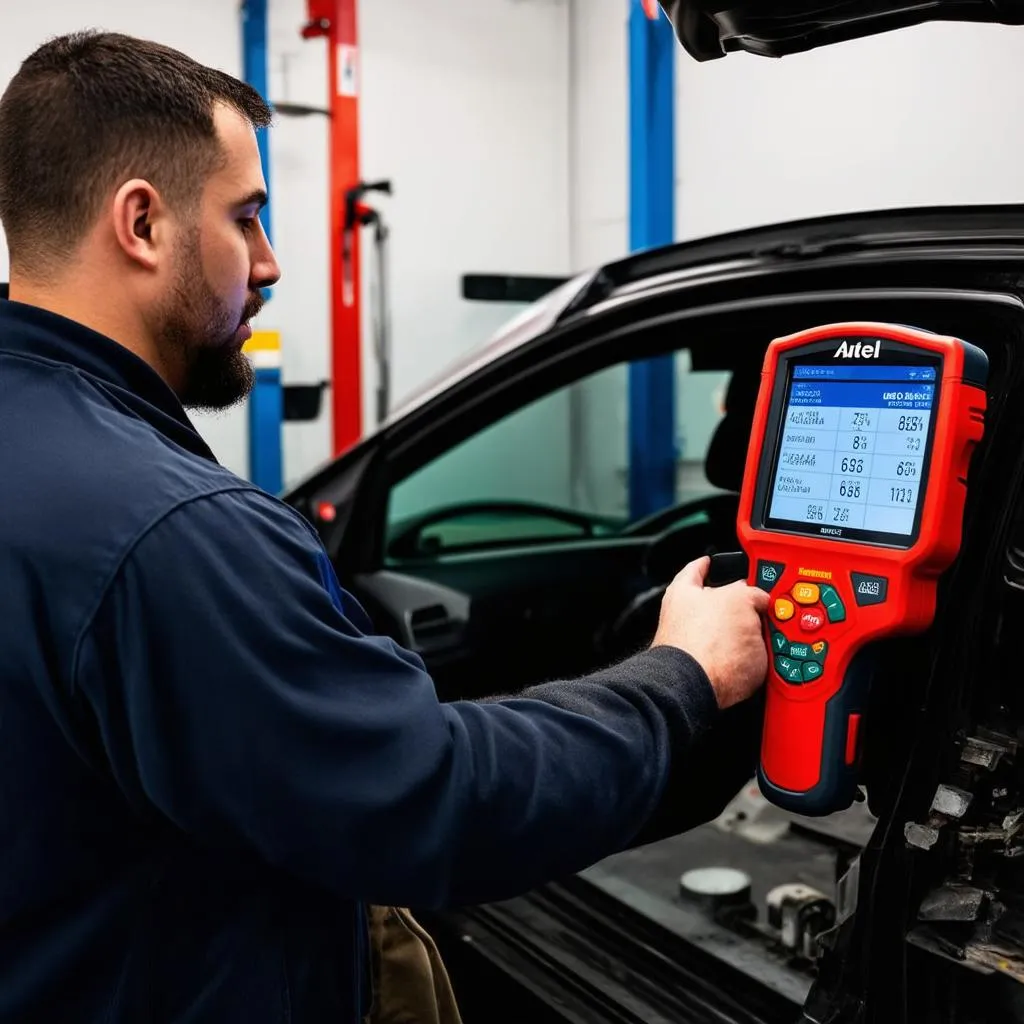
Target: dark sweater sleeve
x,y
707,767
236,698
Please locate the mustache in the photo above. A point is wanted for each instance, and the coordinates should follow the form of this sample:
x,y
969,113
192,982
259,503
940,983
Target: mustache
x,y
251,309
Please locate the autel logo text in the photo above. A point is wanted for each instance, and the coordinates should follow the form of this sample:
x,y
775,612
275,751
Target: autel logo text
x,y
858,350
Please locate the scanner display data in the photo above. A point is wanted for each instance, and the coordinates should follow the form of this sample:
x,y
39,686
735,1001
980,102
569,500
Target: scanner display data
x,y
852,448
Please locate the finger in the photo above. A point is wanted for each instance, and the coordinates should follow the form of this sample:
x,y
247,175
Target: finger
x,y
694,574
759,598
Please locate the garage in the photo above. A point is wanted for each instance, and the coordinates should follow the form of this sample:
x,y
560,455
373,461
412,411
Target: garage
x,y
512,511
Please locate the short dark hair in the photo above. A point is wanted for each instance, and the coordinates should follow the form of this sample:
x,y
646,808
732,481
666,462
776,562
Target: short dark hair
x,y
90,110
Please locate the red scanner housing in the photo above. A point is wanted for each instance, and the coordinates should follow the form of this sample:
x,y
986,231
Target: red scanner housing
x,y
851,509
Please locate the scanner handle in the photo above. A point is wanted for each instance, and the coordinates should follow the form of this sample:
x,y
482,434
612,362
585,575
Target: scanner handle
x,y
727,567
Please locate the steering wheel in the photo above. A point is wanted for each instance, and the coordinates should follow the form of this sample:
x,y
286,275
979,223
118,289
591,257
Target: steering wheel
x,y
634,627
406,544
678,543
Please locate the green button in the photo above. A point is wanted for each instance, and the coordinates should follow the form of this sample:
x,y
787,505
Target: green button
x,y
779,642
808,652
789,669
811,670
833,604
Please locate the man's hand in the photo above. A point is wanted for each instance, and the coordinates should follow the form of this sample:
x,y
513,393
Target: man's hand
x,y
718,626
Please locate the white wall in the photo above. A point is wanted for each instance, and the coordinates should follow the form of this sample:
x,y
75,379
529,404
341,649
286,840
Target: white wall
x,y
473,135
598,130
917,117
475,141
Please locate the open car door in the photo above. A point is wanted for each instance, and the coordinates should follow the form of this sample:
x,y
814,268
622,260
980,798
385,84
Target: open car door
x,y
709,29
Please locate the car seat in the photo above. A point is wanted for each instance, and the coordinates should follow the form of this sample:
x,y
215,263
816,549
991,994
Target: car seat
x,y
726,456
727,453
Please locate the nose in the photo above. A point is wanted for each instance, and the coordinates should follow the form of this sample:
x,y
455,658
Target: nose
x,y
265,270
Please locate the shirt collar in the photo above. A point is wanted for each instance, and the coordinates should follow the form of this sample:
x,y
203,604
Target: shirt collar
x,y
37,333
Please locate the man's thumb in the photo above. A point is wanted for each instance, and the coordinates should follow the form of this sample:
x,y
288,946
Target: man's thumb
x,y
694,574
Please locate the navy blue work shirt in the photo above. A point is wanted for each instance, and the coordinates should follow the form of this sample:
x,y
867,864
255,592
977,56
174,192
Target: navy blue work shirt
x,y
207,765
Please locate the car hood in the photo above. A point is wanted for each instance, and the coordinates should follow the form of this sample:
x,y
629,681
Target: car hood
x,y
709,29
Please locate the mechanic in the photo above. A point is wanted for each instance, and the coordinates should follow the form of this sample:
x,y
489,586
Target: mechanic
x,y
209,765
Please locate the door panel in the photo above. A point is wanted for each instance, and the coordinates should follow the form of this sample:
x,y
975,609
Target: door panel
x,y
493,623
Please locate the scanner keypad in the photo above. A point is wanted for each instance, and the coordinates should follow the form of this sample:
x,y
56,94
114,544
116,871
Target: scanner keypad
x,y
806,606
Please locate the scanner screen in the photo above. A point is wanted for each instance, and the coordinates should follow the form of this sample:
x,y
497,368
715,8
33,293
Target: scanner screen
x,y
852,451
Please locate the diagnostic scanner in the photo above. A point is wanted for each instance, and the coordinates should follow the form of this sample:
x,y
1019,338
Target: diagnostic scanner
x,y
851,508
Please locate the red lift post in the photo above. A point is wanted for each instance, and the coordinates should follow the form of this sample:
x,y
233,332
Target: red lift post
x,y
336,21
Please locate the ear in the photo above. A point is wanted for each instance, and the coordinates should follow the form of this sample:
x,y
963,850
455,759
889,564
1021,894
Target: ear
x,y
139,222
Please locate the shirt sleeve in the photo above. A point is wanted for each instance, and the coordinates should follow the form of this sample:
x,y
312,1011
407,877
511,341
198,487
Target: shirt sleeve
x,y
236,697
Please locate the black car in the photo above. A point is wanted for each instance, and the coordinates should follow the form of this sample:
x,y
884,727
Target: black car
x,y
486,526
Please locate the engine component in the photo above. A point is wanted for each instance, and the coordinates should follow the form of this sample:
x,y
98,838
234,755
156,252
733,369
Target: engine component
x,y
800,914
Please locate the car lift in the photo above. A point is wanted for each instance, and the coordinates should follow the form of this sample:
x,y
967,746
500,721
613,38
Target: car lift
x,y
266,401
270,403
652,428
335,20
358,214
652,448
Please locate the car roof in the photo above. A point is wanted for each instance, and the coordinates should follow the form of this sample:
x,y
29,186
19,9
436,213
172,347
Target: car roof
x,y
789,241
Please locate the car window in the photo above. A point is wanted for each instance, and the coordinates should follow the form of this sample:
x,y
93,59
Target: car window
x,y
555,470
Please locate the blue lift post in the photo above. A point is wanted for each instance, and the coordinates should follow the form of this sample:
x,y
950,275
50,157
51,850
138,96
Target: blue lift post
x,y
266,402
652,384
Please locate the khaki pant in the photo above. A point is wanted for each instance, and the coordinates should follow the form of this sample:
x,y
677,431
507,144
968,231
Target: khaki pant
x,y
410,983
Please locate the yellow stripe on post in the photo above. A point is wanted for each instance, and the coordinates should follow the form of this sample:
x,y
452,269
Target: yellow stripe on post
x,y
264,349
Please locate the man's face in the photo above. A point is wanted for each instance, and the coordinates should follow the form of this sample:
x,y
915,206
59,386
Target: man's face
x,y
221,262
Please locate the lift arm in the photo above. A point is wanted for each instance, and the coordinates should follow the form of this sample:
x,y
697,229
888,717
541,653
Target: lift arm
x,y
265,407
652,418
335,20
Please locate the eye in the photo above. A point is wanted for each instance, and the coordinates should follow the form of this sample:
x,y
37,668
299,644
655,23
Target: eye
x,y
247,224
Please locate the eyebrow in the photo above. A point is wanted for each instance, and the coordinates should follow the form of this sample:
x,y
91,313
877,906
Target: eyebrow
x,y
257,197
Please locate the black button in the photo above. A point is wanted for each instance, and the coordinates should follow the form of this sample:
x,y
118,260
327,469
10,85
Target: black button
x,y
768,574
869,589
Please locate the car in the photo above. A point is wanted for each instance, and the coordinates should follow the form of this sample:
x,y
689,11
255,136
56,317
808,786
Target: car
x,y
486,526
492,525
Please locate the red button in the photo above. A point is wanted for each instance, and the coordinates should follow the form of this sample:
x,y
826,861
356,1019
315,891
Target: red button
x,y
811,620
851,738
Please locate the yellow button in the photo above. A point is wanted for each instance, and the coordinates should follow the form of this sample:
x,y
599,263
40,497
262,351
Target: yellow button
x,y
818,647
806,593
784,609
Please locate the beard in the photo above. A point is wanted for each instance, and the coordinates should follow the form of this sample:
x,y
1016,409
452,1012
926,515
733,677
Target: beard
x,y
197,330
